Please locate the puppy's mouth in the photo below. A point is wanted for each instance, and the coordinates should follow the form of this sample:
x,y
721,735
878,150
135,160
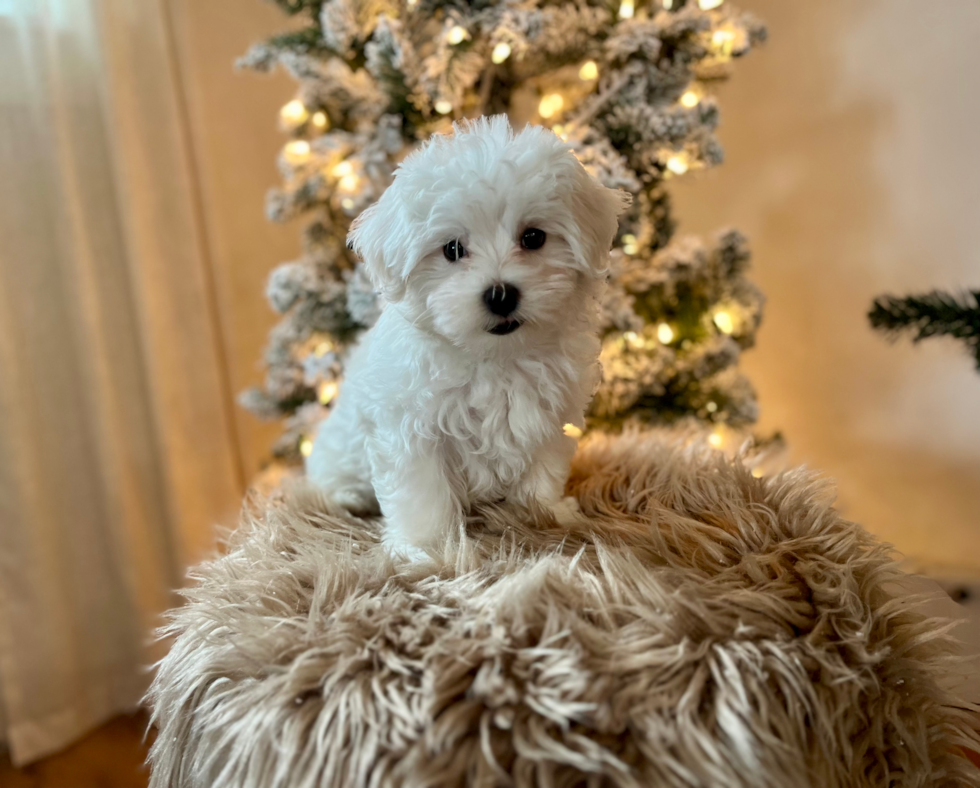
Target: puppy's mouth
x,y
506,327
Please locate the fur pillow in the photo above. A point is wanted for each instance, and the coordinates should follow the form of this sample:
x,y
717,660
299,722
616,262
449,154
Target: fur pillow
x,y
706,628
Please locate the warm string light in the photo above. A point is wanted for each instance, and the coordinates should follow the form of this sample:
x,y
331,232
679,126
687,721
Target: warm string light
x,y
347,203
444,107
500,53
626,9
306,447
668,4
707,5
589,71
665,334
342,169
297,151
724,321
294,112
633,339
457,35
326,392
711,406
323,348
561,131
319,120
572,431
630,245
690,99
722,41
715,439
550,105
677,164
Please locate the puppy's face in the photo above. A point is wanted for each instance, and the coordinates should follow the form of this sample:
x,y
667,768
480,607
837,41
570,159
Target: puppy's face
x,y
489,238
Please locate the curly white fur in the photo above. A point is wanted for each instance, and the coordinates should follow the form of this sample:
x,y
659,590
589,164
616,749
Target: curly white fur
x,y
438,412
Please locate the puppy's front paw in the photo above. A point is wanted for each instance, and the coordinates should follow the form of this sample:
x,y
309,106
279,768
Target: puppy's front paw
x,y
400,548
567,511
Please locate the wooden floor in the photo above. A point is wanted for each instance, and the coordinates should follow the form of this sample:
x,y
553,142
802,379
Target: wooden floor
x,y
110,757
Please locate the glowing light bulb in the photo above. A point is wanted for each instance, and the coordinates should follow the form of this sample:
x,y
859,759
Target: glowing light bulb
x,y
707,5
500,53
722,40
724,322
306,447
349,182
323,348
572,431
690,99
715,439
342,169
668,4
412,2
589,71
327,391
550,105
319,120
677,165
457,35
294,112
444,107
297,151
632,338
347,203
626,9
630,246
665,334
758,473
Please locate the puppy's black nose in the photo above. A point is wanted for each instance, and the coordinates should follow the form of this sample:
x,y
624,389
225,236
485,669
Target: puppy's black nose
x,y
502,299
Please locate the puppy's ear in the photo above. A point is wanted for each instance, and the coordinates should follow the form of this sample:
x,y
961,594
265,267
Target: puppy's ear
x,y
382,237
596,211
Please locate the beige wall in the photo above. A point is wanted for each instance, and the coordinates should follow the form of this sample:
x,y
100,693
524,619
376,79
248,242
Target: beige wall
x,y
853,164
233,116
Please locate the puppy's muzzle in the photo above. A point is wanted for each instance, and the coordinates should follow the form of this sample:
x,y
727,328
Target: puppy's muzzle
x,y
502,299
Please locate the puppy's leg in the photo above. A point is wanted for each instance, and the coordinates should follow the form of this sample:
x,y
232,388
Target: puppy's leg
x,y
339,464
416,499
544,482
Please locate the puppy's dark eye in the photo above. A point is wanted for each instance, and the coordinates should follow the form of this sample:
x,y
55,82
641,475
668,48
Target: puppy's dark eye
x,y
533,238
454,250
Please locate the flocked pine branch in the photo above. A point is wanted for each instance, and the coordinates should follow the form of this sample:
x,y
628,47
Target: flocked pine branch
x,y
628,83
930,315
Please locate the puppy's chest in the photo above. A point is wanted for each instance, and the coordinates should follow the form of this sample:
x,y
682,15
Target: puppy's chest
x,y
497,419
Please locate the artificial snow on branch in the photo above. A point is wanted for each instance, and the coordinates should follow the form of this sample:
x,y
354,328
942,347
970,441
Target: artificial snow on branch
x,y
627,84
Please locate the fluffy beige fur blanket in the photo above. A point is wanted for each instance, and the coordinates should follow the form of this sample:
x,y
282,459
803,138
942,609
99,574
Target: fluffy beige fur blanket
x,y
702,628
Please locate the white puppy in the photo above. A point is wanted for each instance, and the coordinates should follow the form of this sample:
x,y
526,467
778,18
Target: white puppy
x,y
489,248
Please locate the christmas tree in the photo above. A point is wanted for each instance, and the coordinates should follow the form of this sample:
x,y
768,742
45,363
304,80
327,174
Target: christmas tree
x,y
930,315
627,84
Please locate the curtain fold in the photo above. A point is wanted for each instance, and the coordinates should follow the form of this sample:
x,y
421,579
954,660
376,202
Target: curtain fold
x,y
117,454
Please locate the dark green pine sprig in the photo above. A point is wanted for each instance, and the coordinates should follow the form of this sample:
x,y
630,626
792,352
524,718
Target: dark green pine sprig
x,y
293,7
929,315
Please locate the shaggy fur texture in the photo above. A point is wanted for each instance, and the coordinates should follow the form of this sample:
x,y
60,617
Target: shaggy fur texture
x,y
459,392
704,628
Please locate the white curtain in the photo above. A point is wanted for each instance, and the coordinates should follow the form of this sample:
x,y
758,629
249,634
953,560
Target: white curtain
x,y
117,451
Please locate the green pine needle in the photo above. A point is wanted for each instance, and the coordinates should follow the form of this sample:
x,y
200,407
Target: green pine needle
x,y
931,314
292,7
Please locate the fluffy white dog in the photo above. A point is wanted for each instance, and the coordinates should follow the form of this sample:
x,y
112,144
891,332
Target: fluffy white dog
x,y
490,248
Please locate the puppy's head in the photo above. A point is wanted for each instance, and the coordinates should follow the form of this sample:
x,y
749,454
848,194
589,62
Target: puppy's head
x,y
487,234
